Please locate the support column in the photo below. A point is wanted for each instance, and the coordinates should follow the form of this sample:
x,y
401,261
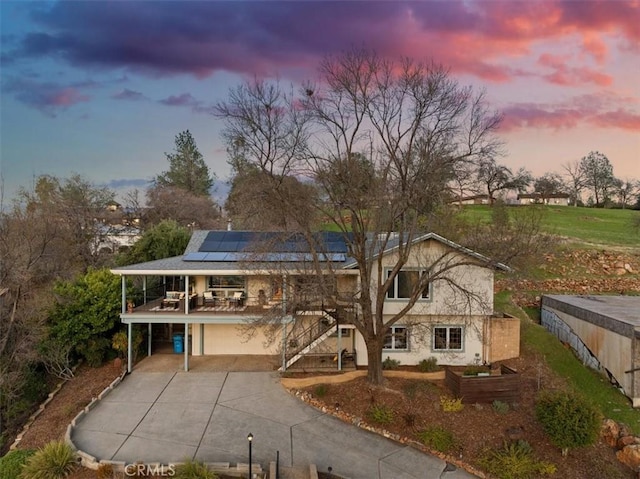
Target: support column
x,y
123,280
149,336
129,349
201,339
339,349
186,347
284,344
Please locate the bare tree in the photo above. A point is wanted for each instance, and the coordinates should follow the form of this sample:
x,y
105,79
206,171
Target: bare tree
x,y
182,206
598,176
575,179
626,190
548,184
387,137
493,177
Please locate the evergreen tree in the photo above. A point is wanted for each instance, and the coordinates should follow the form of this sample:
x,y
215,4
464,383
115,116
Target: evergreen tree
x,y
187,169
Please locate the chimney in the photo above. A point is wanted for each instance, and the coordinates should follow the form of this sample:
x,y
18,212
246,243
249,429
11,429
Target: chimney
x,y
229,225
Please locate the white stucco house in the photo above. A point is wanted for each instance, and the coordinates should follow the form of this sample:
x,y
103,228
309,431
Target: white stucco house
x,y
223,283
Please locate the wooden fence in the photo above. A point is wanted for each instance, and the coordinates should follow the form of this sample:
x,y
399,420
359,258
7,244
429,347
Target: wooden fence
x,y
503,387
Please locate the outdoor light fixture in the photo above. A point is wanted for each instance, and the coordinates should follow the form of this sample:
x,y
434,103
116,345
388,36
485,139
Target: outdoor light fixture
x,y
250,439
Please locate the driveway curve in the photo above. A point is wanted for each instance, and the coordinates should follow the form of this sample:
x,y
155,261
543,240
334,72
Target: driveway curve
x,y
166,417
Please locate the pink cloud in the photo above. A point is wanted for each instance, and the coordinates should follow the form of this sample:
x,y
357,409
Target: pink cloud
x,y
617,119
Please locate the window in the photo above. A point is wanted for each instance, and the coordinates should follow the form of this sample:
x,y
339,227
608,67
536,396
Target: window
x,y
447,338
404,283
397,339
231,282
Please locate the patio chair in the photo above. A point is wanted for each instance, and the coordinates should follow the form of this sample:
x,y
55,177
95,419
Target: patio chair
x,y
209,297
237,299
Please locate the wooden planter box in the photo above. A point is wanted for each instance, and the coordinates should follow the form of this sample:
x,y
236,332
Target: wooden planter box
x,y
503,387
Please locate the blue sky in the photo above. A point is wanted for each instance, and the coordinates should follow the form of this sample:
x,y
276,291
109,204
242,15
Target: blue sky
x,y
102,88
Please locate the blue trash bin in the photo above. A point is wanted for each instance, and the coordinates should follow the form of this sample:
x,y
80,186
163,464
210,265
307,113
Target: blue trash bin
x,y
178,343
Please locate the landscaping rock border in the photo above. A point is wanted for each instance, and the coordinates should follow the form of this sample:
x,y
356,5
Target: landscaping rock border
x,y
620,437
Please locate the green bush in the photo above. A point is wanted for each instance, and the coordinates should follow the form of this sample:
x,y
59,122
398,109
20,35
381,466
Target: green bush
x,y
515,460
320,390
390,363
500,407
55,460
474,370
568,419
438,438
194,470
12,462
381,414
428,365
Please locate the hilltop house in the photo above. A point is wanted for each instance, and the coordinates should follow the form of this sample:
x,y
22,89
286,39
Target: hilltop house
x,y
226,280
557,199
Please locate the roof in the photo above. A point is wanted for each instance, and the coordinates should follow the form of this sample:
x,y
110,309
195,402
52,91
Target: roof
x,y
394,243
620,314
541,195
230,251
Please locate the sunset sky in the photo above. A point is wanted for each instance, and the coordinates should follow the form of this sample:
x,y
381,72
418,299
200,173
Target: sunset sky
x,y
102,88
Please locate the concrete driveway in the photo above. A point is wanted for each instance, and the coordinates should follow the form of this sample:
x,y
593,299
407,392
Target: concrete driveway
x,y
166,417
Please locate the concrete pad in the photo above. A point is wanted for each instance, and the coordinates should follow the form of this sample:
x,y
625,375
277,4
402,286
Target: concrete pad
x,y
186,387
409,462
182,423
101,445
229,428
240,385
153,450
276,406
112,417
166,417
140,388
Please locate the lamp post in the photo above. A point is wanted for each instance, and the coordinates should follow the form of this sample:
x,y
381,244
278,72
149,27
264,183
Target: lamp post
x,y
250,439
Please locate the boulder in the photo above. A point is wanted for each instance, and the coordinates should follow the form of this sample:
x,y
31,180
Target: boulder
x,y
624,430
620,271
628,267
630,456
610,432
625,441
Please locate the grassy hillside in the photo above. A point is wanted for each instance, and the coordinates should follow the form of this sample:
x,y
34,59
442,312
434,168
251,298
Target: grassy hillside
x,y
585,225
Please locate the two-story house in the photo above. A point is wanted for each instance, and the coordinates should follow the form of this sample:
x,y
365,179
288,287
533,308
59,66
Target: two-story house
x,y
237,292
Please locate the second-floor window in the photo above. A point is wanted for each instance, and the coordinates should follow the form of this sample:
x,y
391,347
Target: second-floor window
x,y
405,283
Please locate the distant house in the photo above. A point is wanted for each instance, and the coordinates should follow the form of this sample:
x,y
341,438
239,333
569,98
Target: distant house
x,y
556,199
604,331
222,282
473,200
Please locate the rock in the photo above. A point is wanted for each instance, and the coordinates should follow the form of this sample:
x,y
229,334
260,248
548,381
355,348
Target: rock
x,y
610,432
625,441
514,433
624,430
630,456
628,267
618,265
620,271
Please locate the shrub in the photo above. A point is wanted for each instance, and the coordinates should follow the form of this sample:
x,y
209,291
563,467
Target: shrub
x,y
105,471
515,460
320,390
11,464
438,438
390,363
448,404
568,419
474,370
381,414
428,365
500,407
194,470
55,460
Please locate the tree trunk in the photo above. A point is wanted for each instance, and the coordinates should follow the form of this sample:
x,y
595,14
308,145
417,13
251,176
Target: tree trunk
x,y
374,367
